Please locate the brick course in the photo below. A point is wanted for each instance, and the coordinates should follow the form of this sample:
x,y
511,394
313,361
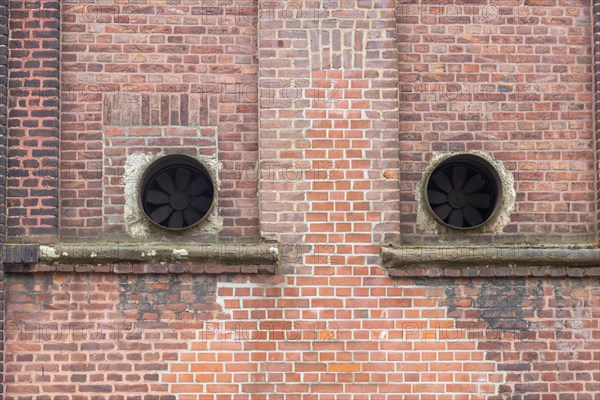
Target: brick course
x,y
3,113
3,137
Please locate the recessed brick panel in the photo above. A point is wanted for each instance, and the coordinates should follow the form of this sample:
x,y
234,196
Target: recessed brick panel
x,y
173,65
514,80
330,127
156,109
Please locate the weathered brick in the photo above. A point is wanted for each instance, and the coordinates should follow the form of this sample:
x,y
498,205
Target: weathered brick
x,y
41,109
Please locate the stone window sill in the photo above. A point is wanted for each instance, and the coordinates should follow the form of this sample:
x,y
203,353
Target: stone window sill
x,y
132,257
490,261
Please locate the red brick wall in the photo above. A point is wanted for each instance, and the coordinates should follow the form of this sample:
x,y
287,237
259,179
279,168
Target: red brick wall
x,y
341,149
514,80
597,108
3,135
85,335
32,186
342,132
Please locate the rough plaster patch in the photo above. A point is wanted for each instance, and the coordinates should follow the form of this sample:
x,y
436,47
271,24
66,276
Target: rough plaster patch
x,y
274,251
150,253
177,253
49,252
137,224
495,225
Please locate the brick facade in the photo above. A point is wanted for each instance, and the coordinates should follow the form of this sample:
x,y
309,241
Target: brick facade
x,y
323,117
194,336
597,107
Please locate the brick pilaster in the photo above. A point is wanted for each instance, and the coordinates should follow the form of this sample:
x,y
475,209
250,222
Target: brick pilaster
x,y
3,112
32,185
329,128
3,134
596,12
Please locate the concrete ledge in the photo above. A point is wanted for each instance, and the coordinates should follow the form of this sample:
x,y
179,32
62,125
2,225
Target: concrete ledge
x,y
140,268
454,261
190,257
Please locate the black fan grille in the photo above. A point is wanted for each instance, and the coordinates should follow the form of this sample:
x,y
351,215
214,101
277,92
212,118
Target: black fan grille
x,y
176,192
463,192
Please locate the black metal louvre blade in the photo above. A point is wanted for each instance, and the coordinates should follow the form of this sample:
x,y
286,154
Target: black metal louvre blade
x,y
200,203
165,182
157,197
198,186
176,220
162,213
182,178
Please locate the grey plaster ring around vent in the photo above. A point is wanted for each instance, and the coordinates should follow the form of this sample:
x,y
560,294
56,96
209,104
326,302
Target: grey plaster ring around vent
x,y
497,175
180,201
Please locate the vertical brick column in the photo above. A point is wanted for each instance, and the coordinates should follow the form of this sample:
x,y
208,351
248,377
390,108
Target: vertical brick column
x,y
32,186
596,12
3,112
3,134
329,128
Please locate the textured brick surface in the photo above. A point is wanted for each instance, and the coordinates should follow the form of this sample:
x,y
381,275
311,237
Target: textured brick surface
x,y
597,108
352,106
510,78
342,134
3,137
32,187
200,337
3,113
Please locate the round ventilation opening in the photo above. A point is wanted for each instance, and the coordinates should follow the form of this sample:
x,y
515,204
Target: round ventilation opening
x,y
463,192
176,192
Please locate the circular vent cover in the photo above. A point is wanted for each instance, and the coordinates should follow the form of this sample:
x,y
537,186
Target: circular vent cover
x,y
463,192
176,192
